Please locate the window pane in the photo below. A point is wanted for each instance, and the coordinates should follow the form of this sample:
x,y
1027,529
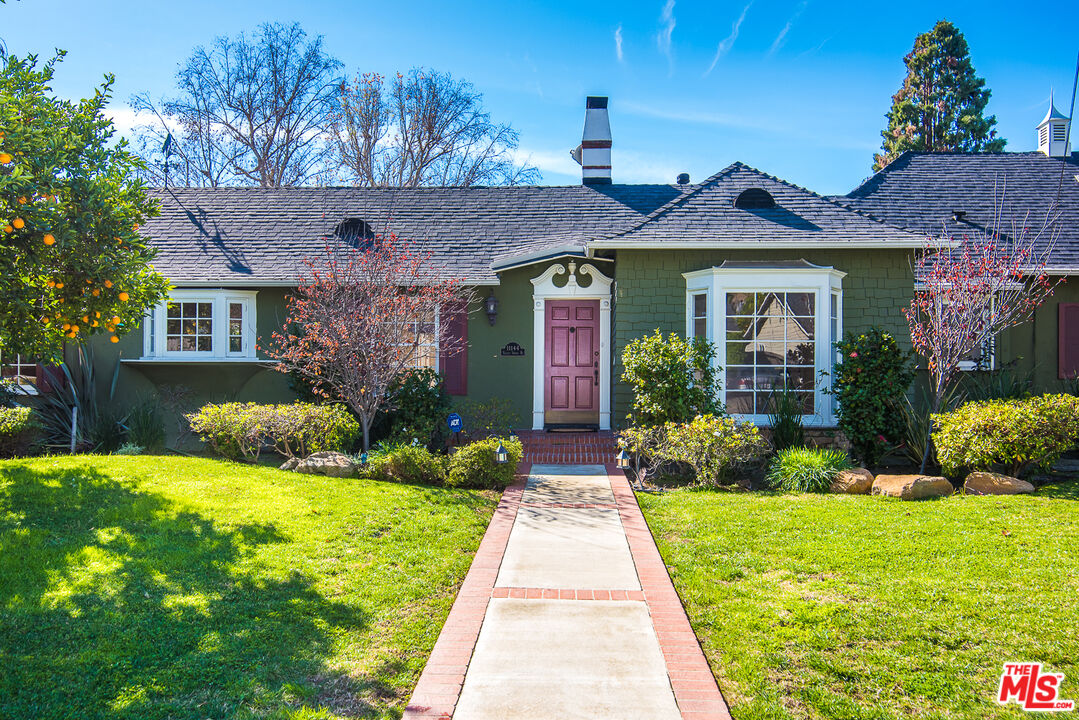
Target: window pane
x,y
801,354
173,310
173,327
187,343
204,327
835,305
205,310
700,305
808,403
173,343
236,311
800,378
236,344
803,328
801,303
739,378
700,327
739,303
205,344
740,403
187,310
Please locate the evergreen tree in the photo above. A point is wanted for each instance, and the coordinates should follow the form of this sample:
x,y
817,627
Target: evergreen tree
x,y
940,106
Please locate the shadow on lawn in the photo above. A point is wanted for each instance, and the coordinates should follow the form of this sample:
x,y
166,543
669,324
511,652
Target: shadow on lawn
x,y
1060,490
115,603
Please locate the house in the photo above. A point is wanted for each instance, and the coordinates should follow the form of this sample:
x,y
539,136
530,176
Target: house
x,y
771,272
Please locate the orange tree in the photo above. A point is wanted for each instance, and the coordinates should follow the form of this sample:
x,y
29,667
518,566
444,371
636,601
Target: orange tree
x,y
72,261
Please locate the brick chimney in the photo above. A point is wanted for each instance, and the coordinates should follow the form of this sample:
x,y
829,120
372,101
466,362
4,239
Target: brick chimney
x,y
594,152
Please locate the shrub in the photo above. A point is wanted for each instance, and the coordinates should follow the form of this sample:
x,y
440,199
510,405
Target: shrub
x,y
871,379
786,420
673,379
715,447
418,404
406,464
488,418
474,465
130,449
240,430
1012,435
145,428
19,430
806,469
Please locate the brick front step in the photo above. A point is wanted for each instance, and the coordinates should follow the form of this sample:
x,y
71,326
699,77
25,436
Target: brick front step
x,y
570,448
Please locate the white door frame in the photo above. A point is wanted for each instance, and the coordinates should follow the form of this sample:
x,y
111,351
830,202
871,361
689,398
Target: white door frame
x,y
544,289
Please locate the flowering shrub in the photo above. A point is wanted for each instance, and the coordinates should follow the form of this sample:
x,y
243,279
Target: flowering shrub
x,y
871,379
18,429
474,465
241,430
1013,435
418,404
673,379
714,446
806,469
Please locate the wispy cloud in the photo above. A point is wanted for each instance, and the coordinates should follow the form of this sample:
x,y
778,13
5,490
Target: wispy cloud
x,y
663,38
728,42
781,38
618,44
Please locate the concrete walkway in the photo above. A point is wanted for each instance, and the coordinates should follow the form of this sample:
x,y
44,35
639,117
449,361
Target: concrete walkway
x,y
567,612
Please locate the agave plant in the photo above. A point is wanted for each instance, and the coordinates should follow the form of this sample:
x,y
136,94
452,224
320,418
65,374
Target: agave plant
x,y
95,427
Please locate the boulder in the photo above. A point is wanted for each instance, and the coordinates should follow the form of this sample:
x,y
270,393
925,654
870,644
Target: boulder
x,y
853,482
334,464
990,483
912,487
290,464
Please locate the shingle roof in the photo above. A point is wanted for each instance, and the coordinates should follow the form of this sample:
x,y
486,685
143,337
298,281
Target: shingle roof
x,y
246,235
921,191
707,215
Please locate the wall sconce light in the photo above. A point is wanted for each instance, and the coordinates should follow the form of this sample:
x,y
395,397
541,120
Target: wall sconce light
x,y
621,460
491,306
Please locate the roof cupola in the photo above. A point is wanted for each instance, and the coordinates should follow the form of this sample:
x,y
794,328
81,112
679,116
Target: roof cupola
x,y
1053,132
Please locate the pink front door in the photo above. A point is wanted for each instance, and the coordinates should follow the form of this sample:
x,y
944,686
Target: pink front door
x,y
571,368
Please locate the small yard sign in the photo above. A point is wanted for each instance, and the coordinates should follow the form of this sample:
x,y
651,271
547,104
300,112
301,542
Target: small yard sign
x,y
453,420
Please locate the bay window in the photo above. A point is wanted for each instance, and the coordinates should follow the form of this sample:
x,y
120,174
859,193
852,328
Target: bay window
x,y
774,326
202,325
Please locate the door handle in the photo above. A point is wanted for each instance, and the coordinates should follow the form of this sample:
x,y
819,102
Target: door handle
x,y
595,376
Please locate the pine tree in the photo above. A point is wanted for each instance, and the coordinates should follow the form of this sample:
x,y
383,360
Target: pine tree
x,y
940,106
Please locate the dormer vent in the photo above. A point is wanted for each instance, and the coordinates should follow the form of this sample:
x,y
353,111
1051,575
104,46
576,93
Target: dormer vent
x,y
1053,132
355,232
754,199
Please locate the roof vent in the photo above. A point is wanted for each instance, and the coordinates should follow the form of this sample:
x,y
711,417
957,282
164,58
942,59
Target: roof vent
x,y
754,199
355,232
682,179
959,215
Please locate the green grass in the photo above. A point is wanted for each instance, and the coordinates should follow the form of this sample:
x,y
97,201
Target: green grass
x,y
860,607
162,587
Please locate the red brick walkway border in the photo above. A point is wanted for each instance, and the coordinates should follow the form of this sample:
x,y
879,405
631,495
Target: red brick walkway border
x,y
695,688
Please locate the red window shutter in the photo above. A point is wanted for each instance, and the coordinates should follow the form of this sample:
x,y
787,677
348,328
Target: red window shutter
x,y
454,367
1068,340
49,377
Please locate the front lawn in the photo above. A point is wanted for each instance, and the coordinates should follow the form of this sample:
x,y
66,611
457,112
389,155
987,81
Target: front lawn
x,y
837,606
163,587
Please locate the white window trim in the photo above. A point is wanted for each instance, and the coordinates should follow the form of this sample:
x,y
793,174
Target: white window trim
x,y
153,336
27,389
824,281
990,351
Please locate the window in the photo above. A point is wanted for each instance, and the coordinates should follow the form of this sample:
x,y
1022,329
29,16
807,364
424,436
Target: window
x,y
202,324
770,345
20,371
754,199
698,315
426,334
774,325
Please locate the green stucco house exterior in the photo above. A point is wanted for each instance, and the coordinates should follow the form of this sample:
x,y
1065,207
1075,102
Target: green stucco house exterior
x,y
771,272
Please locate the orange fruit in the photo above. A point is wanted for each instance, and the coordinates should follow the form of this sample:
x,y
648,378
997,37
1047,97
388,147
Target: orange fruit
x,y
22,200
4,158
19,223
74,328
123,297
52,283
108,283
114,339
115,319
97,313
93,324
67,326
96,292
8,228
59,284
135,226
48,239
86,318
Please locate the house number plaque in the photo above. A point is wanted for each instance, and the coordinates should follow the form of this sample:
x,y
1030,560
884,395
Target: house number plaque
x,y
513,350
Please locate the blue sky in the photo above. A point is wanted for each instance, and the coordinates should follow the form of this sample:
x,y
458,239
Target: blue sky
x,y
796,88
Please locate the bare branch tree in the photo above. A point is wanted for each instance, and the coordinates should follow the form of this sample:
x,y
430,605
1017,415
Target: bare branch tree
x,y
361,317
251,110
424,128
968,292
